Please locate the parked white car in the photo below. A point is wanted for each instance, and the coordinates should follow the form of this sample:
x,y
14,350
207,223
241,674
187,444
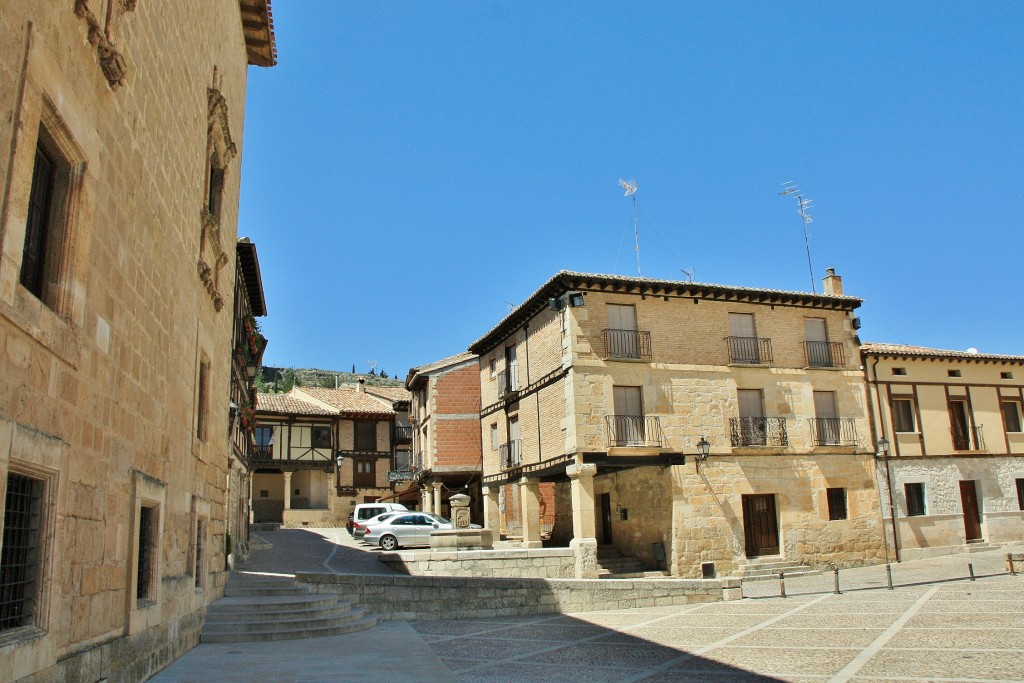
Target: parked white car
x,y
359,530
406,530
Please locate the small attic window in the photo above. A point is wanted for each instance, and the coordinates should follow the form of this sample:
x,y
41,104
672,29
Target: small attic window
x,y
953,373
1006,375
899,371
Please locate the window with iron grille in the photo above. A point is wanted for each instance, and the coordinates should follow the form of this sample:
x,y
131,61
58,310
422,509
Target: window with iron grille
x,y
321,437
144,571
915,499
19,558
200,553
836,503
366,436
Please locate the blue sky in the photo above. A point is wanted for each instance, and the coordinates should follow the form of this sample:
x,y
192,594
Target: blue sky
x,y
412,168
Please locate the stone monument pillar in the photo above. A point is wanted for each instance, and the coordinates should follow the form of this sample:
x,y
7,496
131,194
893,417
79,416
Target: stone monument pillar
x,y
584,542
492,513
462,536
530,489
460,510
287,490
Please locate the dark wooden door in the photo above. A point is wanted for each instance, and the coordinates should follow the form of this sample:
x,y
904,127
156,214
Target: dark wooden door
x,y
606,518
760,525
959,425
972,516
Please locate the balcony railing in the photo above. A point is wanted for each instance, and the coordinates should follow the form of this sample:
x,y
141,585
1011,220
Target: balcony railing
x,y
834,431
403,434
825,354
750,350
508,381
967,439
510,454
263,452
633,344
633,430
758,431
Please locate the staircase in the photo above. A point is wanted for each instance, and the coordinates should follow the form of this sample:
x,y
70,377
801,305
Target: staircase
x,y
279,609
612,564
769,569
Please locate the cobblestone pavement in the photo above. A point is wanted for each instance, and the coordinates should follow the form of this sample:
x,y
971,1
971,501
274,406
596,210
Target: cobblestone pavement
x,y
934,626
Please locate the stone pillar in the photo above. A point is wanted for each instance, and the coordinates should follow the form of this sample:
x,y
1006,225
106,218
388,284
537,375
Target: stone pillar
x,y
425,499
492,513
460,510
287,490
437,498
530,492
584,542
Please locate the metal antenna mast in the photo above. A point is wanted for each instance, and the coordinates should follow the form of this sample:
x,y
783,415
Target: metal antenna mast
x,y
630,187
803,205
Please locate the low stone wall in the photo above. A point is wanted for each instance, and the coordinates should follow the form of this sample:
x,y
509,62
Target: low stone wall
x,y
535,563
470,597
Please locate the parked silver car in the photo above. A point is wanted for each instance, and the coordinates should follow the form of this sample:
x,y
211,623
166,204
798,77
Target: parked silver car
x,y
403,530
360,529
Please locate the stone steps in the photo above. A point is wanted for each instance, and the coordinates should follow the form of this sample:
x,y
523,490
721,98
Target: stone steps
x,y
613,564
769,569
279,609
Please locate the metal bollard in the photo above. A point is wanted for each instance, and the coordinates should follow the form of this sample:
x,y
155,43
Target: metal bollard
x,y
970,568
888,573
782,583
836,570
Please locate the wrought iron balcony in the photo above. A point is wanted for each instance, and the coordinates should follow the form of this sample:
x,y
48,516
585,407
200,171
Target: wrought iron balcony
x,y
967,439
508,381
510,454
263,453
825,354
834,431
403,434
758,431
633,344
634,430
750,350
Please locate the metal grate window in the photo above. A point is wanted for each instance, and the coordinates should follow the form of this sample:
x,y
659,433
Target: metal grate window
x,y
147,519
19,558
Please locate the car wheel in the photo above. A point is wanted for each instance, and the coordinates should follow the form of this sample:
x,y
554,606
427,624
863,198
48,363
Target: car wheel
x,y
388,542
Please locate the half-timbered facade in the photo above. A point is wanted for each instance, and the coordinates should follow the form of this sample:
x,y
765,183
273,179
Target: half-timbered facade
x,y
603,386
951,461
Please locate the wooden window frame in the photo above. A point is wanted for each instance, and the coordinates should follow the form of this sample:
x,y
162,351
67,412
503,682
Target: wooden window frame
x,y
364,479
917,504
1003,403
837,504
897,419
316,443
360,440
1020,494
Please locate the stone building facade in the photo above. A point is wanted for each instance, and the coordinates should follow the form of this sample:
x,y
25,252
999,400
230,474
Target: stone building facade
x,y
120,125
951,470
445,415
297,478
600,388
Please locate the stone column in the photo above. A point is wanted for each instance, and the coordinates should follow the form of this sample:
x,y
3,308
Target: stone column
x,y
437,498
425,499
530,492
287,490
584,542
492,514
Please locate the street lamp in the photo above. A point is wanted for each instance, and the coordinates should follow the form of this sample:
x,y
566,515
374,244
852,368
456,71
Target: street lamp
x,y
882,448
703,447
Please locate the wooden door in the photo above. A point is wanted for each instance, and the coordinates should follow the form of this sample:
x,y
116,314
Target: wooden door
x,y
629,416
744,347
752,423
960,425
972,514
606,518
760,525
622,337
827,418
817,343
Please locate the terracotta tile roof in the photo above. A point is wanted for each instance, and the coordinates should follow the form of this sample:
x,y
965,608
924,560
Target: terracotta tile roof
x,y
349,400
415,373
290,404
390,393
567,280
924,352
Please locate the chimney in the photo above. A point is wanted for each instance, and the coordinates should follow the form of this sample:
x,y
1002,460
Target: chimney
x,y
361,386
833,284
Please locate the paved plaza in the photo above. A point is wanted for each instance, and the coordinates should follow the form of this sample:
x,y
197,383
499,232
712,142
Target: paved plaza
x,y
937,628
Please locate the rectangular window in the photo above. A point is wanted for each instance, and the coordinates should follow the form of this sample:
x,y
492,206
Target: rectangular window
x,y
915,499
953,373
37,227
903,415
365,473
202,409
492,366
1011,415
494,436
20,555
366,436
321,437
200,553
1006,375
144,572
836,503
1020,494
899,371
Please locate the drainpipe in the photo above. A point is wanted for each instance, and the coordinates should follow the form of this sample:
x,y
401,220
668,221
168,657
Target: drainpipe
x,y
885,458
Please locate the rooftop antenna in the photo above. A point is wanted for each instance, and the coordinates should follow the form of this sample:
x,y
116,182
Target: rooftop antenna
x,y
688,272
803,205
630,187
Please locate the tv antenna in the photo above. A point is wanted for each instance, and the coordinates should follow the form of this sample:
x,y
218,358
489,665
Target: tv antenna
x,y
688,272
630,187
803,205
